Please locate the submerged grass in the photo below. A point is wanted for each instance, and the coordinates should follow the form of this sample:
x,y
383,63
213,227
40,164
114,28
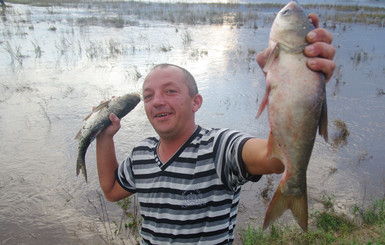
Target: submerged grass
x,y
367,227
234,14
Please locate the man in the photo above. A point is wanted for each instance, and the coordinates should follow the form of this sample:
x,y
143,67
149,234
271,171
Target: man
x,y
188,179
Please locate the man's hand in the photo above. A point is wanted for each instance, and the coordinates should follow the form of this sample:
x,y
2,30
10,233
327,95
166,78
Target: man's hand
x,y
111,130
320,50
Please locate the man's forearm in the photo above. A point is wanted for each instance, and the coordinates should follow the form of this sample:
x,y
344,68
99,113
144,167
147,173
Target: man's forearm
x,y
106,163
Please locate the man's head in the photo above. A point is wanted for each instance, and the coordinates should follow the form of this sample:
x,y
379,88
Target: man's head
x,y
188,77
171,99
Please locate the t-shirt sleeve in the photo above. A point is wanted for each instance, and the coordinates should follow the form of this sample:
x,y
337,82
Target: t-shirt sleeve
x,y
124,176
230,166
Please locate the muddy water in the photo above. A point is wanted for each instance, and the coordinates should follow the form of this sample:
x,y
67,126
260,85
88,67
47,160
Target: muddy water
x,y
58,62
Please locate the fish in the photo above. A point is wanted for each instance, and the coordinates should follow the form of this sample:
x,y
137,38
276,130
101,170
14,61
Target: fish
x,y
295,99
98,120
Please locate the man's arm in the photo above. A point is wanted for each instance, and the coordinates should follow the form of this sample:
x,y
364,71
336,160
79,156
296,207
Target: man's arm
x,y
254,155
107,162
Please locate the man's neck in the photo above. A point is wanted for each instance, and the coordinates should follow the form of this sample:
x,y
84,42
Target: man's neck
x,y
169,146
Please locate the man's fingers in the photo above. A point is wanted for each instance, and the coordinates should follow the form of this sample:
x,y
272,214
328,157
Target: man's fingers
x,y
314,19
323,65
262,58
115,120
320,49
320,35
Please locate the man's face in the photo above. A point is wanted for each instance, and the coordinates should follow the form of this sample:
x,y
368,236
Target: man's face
x,y
167,102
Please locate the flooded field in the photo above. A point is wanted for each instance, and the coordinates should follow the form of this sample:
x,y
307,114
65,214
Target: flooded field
x,y
57,62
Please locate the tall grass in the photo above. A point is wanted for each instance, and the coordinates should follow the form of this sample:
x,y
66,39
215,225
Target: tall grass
x,y
15,53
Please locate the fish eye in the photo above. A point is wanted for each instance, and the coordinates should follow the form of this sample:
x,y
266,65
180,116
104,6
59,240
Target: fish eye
x,y
286,12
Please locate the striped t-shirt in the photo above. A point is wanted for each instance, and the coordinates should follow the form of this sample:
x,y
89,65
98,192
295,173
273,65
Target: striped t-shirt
x,y
193,197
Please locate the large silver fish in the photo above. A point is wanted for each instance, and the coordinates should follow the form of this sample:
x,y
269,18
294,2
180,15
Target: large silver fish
x,y
296,103
99,120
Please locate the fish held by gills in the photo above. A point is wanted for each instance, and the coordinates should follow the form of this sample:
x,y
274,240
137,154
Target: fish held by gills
x,y
99,120
295,98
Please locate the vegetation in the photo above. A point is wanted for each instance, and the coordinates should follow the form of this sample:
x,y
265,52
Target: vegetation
x,y
366,227
234,14
125,229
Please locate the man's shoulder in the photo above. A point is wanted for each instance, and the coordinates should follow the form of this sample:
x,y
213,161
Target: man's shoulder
x,y
149,143
212,131
216,132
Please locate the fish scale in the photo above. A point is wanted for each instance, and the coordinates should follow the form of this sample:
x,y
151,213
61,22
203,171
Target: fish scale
x,y
295,99
99,120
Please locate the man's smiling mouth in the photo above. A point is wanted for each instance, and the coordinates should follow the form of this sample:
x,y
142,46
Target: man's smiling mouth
x,y
162,114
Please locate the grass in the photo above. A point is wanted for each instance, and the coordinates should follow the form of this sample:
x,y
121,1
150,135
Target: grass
x,y
341,135
125,229
15,53
329,227
233,14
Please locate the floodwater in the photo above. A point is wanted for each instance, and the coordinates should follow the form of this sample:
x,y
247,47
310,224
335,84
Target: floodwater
x,y
56,63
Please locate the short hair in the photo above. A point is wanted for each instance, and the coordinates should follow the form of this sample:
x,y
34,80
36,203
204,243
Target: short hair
x,y
189,78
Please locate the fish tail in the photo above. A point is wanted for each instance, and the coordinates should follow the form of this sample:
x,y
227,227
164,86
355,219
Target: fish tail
x,y
281,202
81,164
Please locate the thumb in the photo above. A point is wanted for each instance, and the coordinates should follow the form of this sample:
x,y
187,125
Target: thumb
x,y
114,120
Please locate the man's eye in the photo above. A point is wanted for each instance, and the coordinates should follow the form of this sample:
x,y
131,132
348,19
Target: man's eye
x,y
146,97
171,91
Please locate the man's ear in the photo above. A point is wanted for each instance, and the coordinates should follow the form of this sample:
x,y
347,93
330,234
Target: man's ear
x,y
197,102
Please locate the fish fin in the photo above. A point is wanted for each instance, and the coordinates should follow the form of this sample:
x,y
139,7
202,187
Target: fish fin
x,y
273,148
96,133
88,116
265,101
81,164
323,121
273,54
79,135
278,205
97,108
281,202
102,105
298,207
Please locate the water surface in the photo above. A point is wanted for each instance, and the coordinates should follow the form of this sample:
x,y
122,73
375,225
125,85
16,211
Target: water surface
x,y
56,63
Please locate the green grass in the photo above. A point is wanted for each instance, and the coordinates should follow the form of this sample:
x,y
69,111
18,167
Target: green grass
x,y
328,227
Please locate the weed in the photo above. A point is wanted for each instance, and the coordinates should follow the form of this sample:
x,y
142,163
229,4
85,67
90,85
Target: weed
x,y
94,50
341,135
44,109
375,215
37,49
63,45
268,187
136,74
363,156
15,53
380,92
330,227
115,47
165,47
52,28
131,219
186,38
117,22
330,221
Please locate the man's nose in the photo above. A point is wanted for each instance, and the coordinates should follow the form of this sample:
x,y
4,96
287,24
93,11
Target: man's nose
x,y
158,99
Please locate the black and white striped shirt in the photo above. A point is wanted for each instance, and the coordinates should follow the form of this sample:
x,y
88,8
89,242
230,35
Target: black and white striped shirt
x,y
193,197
